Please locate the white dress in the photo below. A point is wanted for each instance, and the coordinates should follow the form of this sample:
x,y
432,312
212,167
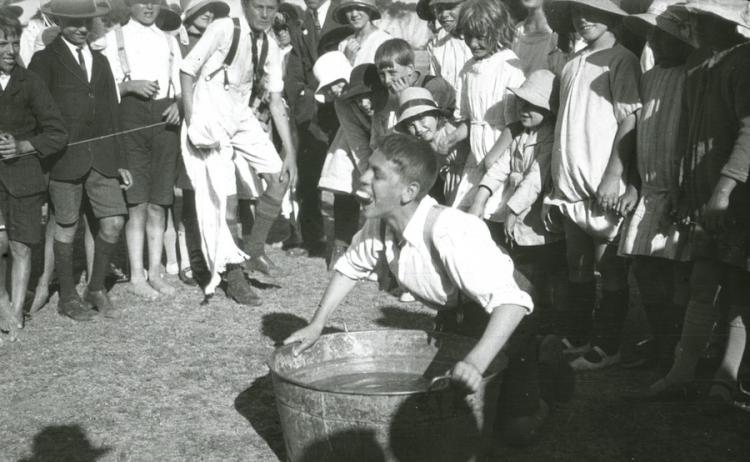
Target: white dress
x,y
487,106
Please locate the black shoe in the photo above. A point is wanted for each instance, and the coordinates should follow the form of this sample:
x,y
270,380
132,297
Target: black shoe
x,y
239,290
75,309
557,380
263,264
100,300
117,274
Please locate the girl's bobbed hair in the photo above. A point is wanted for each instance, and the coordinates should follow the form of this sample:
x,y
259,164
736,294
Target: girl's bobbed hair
x,y
486,18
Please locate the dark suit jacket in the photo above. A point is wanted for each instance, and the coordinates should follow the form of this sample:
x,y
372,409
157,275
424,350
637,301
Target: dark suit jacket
x,y
300,83
28,112
89,109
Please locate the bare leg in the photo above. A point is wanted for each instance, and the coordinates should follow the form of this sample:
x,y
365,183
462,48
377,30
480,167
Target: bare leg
x,y
41,293
20,273
88,245
180,227
155,221
134,235
170,243
7,321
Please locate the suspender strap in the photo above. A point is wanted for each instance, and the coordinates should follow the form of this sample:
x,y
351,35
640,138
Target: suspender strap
x,y
231,54
124,64
171,90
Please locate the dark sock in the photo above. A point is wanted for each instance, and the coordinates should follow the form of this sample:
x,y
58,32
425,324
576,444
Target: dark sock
x,y
345,217
102,253
575,320
609,319
64,269
266,211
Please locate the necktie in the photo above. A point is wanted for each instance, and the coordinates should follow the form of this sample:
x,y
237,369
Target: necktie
x,y
82,63
314,15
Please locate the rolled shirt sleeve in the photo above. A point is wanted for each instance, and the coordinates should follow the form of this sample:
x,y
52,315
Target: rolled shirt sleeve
x,y
361,258
272,68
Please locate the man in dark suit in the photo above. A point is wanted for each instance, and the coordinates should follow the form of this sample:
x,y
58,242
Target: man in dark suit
x,y
316,123
30,127
81,83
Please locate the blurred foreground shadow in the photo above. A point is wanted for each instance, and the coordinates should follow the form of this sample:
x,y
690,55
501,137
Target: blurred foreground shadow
x,y
278,326
258,406
355,444
64,443
399,318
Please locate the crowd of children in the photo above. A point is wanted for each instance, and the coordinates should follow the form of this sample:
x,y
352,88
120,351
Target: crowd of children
x,y
584,162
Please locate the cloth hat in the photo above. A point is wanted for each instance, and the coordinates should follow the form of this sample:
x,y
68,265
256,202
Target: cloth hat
x,y
558,12
735,11
363,79
424,8
7,7
169,17
331,39
330,68
670,20
75,8
369,5
413,102
192,7
540,89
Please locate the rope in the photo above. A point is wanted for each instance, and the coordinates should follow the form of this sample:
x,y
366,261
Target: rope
x,y
89,140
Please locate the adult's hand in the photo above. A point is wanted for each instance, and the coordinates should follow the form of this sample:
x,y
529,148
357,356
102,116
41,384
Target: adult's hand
x,y
306,337
289,170
171,114
144,88
8,146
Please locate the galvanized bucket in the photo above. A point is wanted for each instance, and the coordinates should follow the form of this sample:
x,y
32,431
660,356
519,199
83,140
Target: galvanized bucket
x,y
321,422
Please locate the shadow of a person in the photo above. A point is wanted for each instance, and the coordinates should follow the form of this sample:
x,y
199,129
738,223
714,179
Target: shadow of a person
x,y
399,318
66,443
355,444
258,406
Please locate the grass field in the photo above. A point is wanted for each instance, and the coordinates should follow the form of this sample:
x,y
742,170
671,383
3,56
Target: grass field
x,y
174,380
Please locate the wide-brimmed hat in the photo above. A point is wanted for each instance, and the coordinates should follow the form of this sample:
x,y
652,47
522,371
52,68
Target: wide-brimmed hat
x,y
170,16
540,89
330,68
364,79
735,11
670,20
369,5
190,8
75,8
424,10
558,12
7,7
331,39
414,102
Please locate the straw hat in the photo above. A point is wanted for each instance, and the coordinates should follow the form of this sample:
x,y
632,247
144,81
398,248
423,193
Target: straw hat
x,y
192,7
670,20
330,68
558,11
736,11
539,89
75,8
414,102
344,5
424,8
363,79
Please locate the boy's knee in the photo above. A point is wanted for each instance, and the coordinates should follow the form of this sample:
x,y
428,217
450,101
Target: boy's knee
x,y
65,232
19,250
3,242
110,228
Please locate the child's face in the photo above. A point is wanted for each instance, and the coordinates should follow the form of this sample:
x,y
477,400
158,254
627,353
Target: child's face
x,y
283,37
331,92
391,75
76,30
480,47
364,103
446,15
202,20
531,116
145,11
9,47
589,22
667,48
423,127
357,17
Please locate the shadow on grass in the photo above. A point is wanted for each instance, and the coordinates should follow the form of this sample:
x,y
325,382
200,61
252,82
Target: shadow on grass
x,y
278,326
64,442
399,318
258,406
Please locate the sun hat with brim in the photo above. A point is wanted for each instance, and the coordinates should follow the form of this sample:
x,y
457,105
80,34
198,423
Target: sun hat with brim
x,y
540,89
75,8
414,102
219,8
735,11
344,5
559,15
169,18
330,40
364,79
330,68
424,8
659,15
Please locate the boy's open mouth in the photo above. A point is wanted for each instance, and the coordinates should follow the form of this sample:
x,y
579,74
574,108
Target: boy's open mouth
x,y
363,198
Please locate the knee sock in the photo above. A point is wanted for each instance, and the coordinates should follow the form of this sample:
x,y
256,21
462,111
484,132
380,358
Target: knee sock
x,y
266,211
64,269
609,319
345,218
102,253
575,321
696,330
736,340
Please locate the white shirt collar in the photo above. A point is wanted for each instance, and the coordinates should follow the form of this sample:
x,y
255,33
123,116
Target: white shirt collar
x,y
74,48
323,11
4,80
415,228
152,27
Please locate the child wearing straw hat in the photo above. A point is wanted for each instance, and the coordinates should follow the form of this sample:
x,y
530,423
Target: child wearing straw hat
x,y
360,47
648,234
715,200
594,145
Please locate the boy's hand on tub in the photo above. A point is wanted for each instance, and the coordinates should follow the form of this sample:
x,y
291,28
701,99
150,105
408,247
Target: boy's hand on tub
x,y
467,375
306,337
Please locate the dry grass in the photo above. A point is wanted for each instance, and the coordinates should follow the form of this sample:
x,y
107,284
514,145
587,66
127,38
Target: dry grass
x,y
174,380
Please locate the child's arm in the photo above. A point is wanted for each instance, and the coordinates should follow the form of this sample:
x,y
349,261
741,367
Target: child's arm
x,y
500,147
623,148
492,181
480,201
450,141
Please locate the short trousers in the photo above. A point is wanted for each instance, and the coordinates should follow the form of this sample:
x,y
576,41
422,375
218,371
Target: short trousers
x,y
21,217
152,153
104,194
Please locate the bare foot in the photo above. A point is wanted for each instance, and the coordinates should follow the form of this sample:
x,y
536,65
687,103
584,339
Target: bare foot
x,y
159,284
142,289
41,298
7,319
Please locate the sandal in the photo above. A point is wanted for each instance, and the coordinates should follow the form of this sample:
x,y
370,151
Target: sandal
x,y
186,276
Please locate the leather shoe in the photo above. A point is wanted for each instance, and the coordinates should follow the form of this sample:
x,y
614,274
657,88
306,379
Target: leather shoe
x,y
239,290
263,264
75,309
100,300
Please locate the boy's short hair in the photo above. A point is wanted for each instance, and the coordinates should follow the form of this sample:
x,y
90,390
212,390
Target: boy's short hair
x,y
394,51
486,18
414,159
10,25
